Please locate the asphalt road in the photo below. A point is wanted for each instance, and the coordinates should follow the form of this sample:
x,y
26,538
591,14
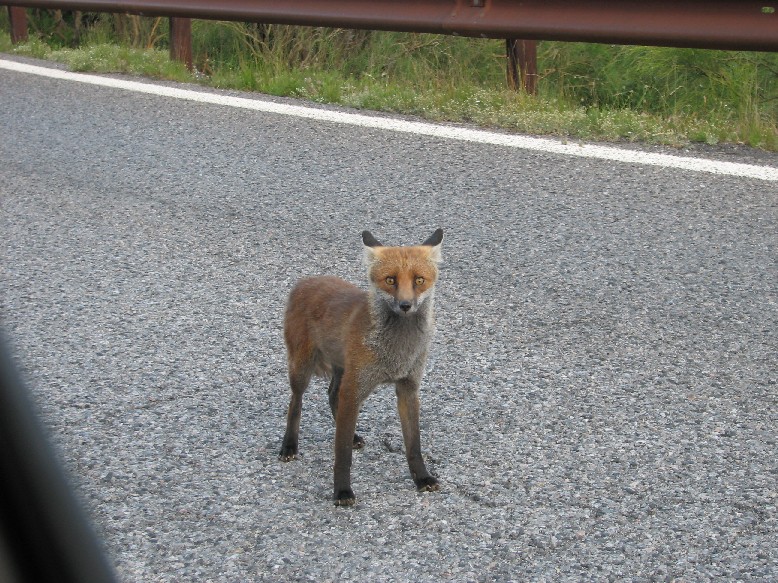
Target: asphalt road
x,y
600,402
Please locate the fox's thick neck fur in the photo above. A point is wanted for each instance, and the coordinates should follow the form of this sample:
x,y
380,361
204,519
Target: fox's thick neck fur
x,y
400,341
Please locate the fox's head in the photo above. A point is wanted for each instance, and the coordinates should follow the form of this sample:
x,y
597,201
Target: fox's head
x,y
403,276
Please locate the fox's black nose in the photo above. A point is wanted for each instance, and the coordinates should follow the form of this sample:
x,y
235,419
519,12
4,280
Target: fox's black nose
x,y
405,306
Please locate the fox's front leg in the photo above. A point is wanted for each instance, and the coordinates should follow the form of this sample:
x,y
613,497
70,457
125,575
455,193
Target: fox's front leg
x,y
345,426
408,408
334,393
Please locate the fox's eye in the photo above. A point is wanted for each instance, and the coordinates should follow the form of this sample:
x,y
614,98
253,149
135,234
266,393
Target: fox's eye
x,y
391,280
419,280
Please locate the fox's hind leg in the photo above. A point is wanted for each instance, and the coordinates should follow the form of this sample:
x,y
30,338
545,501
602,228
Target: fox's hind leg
x,y
333,392
299,377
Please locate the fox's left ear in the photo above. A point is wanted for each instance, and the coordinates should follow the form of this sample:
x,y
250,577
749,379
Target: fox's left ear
x,y
434,241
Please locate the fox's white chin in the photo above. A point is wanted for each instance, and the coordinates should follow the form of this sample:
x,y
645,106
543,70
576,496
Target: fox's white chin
x,y
403,311
403,308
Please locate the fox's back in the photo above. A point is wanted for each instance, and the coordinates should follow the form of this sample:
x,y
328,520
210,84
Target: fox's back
x,y
319,314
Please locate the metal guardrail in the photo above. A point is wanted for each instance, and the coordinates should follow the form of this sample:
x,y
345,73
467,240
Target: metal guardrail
x,y
710,24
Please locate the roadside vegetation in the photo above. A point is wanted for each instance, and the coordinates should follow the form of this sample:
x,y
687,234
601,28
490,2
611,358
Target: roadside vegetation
x,y
586,91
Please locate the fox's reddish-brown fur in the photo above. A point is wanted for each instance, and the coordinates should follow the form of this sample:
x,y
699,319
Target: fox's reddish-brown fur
x,y
361,339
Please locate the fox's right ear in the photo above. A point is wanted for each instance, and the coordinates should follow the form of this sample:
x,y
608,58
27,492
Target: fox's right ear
x,y
370,244
369,240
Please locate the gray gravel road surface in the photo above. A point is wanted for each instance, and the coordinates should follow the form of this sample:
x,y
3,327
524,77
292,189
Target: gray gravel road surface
x,y
600,402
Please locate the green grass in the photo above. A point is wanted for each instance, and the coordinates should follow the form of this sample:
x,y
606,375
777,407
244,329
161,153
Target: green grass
x,y
586,91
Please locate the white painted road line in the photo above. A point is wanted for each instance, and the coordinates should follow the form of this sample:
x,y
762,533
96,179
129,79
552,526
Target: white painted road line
x,y
412,127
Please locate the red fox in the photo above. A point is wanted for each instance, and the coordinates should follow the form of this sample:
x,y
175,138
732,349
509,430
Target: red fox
x,y
361,340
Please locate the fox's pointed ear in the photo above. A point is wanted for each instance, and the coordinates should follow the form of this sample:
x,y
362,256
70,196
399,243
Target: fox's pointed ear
x,y
371,243
369,240
434,241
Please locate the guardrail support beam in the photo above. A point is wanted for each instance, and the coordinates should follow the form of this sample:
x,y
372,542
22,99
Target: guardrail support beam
x,y
18,17
181,40
743,25
522,58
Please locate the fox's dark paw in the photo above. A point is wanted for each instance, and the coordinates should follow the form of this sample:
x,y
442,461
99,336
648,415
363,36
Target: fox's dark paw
x,y
287,454
428,484
345,498
359,442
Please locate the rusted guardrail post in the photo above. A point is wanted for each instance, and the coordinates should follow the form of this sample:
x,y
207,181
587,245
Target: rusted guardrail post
x,y
522,64
18,17
181,40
